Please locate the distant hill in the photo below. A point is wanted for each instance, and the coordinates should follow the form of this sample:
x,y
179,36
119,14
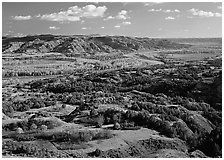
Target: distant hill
x,y
84,44
198,41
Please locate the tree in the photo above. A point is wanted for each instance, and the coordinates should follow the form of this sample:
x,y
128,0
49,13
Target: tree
x,y
33,126
93,112
99,121
43,127
135,107
117,126
63,106
97,152
19,130
117,117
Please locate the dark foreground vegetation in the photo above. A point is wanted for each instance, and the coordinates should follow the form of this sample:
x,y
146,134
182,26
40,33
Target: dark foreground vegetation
x,y
153,103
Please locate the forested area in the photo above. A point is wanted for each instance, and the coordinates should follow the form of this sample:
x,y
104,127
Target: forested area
x,y
172,104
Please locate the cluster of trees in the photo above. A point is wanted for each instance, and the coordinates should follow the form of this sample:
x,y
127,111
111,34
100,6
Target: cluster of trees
x,y
129,82
149,106
80,86
30,73
90,83
212,144
173,112
138,81
105,57
38,84
32,124
208,143
132,119
159,117
30,150
77,136
8,107
79,98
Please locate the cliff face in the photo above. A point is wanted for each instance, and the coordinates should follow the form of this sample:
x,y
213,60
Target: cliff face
x,y
83,44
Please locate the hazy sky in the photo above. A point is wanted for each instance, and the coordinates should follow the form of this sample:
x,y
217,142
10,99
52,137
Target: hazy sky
x,y
189,19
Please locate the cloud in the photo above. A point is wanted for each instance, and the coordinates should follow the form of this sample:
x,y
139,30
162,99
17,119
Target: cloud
x,y
146,4
165,11
158,2
151,3
93,11
171,11
84,28
54,28
155,10
37,16
201,13
126,23
109,17
22,18
60,17
75,13
122,15
169,18
176,10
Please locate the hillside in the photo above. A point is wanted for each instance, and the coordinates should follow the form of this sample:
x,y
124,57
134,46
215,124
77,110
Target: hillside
x,y
84,44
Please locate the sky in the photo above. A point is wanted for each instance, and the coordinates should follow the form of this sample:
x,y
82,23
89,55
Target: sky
x,y
142,19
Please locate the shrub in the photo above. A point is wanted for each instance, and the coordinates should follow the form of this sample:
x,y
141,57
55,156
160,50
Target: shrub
x,y
23,124
7,108
30,150
97,152
85,136
24,137
74,136
104,134
50,124
63,106
93,112
19,130
99,121
33,126
212,144
117,118
43,127
117,126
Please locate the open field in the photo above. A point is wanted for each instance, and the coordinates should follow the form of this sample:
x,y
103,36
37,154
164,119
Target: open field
x,y
192,56
156,98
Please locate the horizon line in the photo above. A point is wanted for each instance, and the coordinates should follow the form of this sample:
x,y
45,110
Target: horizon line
x,y
12,36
